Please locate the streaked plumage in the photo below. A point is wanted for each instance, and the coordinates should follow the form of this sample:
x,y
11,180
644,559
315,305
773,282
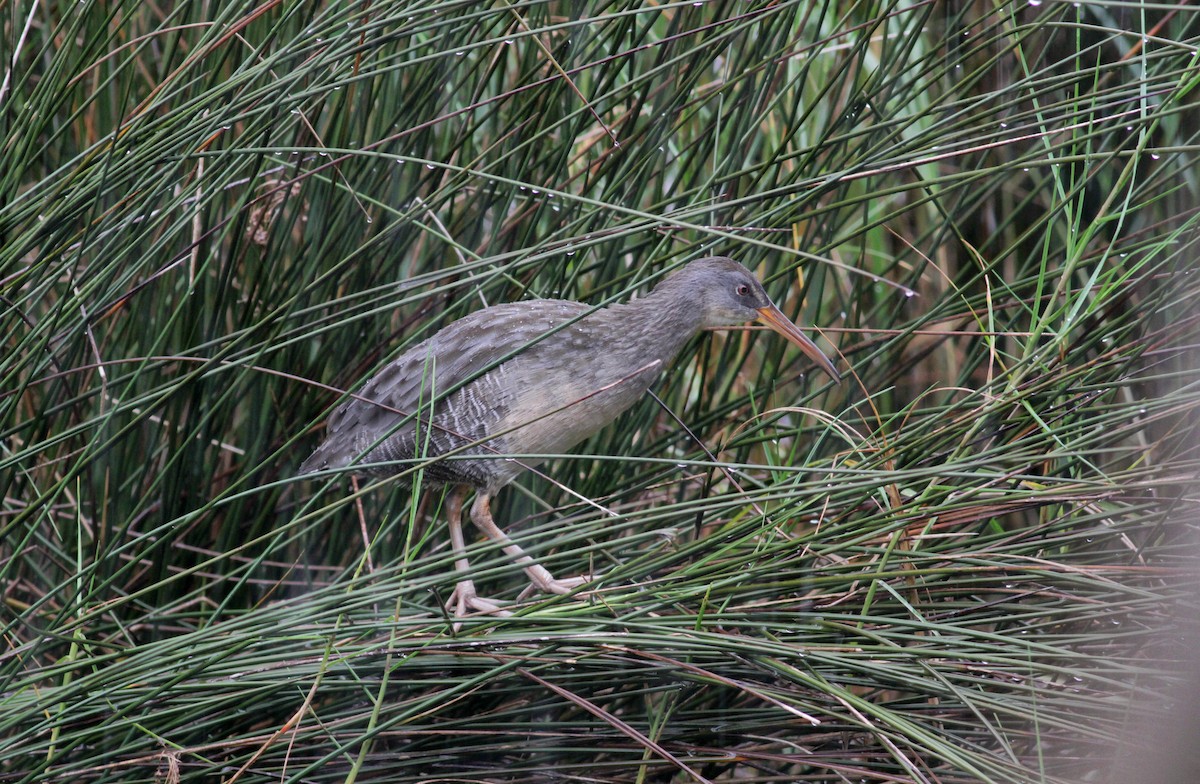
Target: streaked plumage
x,y
562,374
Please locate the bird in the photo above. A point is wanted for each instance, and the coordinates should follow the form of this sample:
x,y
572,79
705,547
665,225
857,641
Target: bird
x,y
482,399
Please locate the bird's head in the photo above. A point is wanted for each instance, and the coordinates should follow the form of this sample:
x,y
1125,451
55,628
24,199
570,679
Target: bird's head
x,y
728,294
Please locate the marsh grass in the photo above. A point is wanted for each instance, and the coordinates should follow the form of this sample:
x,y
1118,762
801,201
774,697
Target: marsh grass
x,y
962,564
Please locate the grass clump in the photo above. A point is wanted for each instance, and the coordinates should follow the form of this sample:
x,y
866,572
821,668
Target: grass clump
x,y
972,561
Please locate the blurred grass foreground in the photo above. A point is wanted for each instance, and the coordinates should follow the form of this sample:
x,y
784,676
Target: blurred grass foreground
x,y
972,561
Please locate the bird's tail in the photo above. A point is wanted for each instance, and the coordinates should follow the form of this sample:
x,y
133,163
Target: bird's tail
x,y
317,461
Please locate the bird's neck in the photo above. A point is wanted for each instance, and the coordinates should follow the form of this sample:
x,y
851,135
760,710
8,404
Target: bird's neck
x,y
657,326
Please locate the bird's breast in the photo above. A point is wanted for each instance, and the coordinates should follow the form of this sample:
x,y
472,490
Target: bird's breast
x,y
547,409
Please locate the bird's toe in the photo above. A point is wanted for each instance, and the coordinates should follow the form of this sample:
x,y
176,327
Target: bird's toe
x,y
558,585
464,601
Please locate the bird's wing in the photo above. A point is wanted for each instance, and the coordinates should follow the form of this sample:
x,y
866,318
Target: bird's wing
x,y
452,357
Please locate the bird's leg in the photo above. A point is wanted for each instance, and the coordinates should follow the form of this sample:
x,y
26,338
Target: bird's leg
x,y
539,576
464,599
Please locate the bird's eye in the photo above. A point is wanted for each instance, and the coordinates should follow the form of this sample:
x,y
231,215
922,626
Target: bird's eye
x,y
743,290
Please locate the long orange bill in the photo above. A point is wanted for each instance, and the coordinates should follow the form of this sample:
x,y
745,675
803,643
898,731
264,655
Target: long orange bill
x,y
774,318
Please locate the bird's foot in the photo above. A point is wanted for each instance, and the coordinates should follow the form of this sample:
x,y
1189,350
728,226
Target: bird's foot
x,y
547,583
464,601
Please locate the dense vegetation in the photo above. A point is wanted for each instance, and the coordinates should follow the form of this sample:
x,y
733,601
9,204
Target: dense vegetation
x,y
969,562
